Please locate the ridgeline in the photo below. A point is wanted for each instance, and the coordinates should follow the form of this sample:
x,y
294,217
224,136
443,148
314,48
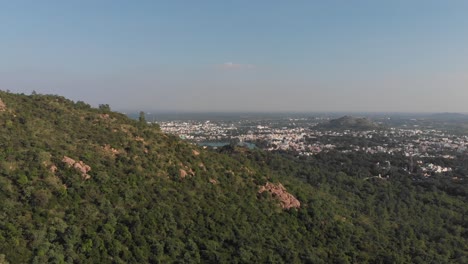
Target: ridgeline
x,y
88,185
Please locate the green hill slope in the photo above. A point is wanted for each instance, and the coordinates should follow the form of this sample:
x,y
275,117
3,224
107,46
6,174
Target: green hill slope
x,y
148,196
85,185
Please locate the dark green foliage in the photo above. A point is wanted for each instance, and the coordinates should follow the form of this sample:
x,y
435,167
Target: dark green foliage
x,y
142,118
399,219
349,122
136,208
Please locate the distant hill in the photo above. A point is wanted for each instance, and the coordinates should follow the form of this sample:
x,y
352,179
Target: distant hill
x,y
349,122
448,116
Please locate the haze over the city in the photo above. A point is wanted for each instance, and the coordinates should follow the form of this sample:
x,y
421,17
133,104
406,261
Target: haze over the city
x,y
374,56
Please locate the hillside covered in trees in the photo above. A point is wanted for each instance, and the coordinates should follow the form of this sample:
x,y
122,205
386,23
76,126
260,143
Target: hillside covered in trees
x,y
81,184
349,122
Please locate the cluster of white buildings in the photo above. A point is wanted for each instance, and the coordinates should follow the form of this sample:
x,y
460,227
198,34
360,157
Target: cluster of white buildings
x,y
305,140
198,130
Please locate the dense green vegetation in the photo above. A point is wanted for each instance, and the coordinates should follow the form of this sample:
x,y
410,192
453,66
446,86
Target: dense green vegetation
x,y
136,207
349,122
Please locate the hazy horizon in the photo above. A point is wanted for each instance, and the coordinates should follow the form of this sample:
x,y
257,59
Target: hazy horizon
x,y
149,111
242,56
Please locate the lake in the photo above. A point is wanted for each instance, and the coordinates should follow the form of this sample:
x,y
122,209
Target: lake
x,y
222,144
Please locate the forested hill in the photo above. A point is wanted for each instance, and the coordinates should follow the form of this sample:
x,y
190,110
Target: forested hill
x,y
86,185
349,122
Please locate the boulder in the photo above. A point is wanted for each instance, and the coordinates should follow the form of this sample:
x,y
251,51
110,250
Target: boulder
x,y
214,181
53,168
110,150
69,161
80,166
277,191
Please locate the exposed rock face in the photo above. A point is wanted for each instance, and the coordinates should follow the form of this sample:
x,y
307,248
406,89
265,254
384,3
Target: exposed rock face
x,y
278,191
2,106
186,171
79,166
53,168
140,139
83,168
69,161
191,172
214,181
107,148
195,152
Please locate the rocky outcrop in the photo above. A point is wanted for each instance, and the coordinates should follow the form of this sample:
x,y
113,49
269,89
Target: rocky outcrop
x,y
110,150
213,181
195,152
183,173
186,171
3,107
140,139
83,169
69,161
53,168
80,166
287,200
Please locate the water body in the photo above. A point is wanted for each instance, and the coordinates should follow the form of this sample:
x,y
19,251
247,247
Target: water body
x,y
222,144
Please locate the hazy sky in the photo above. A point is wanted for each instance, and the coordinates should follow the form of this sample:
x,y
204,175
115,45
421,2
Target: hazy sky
x,y
240,55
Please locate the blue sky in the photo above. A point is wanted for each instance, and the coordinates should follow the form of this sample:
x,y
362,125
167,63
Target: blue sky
x,y
240,55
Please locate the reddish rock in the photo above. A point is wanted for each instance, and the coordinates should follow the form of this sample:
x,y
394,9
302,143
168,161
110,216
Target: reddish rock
x,y
107,148
182,173
79,166
278,191
191,172
53,168
213,181
195,152
69,161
